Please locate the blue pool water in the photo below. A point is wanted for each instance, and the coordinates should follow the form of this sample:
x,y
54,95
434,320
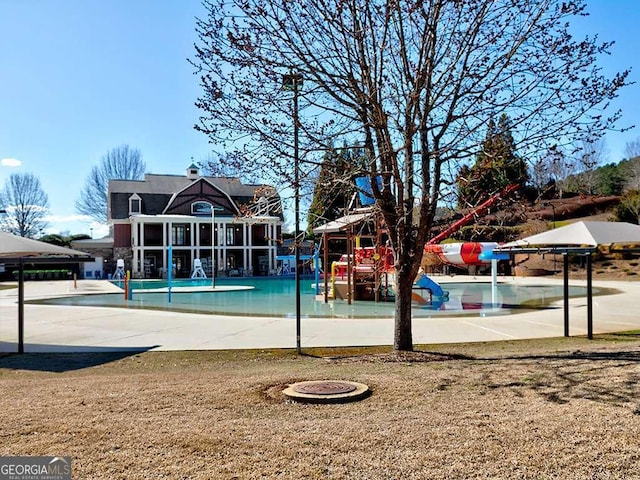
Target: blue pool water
x,y
276,297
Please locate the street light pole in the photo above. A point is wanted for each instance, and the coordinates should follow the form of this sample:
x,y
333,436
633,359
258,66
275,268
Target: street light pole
x,y
553,226
213,246
293,82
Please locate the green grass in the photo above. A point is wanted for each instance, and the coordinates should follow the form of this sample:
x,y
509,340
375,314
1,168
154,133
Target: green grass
x,y
449,351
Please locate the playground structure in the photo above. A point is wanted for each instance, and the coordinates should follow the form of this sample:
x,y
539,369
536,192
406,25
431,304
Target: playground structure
x,y
368,273
426,286
468,253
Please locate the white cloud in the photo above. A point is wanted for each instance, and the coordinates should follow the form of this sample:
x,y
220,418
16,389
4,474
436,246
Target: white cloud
x,y
75,224
68,218
10,162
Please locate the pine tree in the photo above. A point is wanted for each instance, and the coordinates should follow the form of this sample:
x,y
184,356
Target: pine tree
x,y
497,165
335,185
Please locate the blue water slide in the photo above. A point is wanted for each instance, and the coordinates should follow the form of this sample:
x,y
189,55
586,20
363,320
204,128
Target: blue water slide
x,y
435,288
493,256
365,191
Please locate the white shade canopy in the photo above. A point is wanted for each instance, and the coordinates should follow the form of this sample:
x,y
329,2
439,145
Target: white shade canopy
x,y
343,223
13,246
585,236
583,233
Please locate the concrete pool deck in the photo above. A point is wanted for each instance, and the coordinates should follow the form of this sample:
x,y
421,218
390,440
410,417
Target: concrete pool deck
x,y
53,328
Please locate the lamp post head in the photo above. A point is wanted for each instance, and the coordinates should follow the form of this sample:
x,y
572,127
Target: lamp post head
x,y
292,81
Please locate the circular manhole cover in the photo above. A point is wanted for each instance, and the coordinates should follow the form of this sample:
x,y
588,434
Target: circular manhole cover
x,y
326,391
324,388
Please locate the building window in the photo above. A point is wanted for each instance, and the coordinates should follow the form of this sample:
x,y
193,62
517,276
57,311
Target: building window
x,y
234,235
205,235
153,234
200,208
231,235
135,204
180,235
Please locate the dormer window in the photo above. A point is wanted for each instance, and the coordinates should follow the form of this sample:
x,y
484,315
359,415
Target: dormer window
x,y
200,208
135,204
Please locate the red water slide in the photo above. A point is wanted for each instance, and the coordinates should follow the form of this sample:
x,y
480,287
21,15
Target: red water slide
x,y
479,210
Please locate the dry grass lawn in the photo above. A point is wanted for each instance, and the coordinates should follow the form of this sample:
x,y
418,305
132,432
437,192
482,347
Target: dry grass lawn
x,y
542,409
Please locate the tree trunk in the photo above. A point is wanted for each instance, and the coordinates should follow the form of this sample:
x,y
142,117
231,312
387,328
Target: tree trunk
x,y
403,340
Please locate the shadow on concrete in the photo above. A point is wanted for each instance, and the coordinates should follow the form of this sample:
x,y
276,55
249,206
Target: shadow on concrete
x,y
56,359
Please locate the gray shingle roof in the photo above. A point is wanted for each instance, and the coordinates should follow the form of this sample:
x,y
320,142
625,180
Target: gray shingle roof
x,y
169,184
157,190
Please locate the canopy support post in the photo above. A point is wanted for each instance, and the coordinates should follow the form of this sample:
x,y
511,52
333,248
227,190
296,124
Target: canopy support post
x,y
589,297
565,263
21,306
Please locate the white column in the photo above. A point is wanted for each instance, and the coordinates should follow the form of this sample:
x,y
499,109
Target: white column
x,y
135,250
142,248
197,239
273,245
192,242
142,239
245,246
222,244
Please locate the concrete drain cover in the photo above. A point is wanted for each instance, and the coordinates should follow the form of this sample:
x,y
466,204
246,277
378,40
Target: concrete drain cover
x,y
326,391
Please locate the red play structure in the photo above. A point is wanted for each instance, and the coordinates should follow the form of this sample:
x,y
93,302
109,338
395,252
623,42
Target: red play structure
x,y
467,253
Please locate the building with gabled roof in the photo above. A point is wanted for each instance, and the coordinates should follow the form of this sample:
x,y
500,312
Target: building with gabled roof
x,y
149,216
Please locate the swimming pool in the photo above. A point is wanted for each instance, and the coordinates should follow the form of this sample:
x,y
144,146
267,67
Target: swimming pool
x,y
276,297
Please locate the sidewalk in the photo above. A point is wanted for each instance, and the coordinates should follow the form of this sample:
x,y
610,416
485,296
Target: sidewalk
x,y
76,329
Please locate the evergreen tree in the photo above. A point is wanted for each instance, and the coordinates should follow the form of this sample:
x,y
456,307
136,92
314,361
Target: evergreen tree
x,y
496,166
629,208
335,185
609,180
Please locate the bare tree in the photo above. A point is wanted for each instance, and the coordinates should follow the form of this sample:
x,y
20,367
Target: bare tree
x,y
540,176
631,173
632,165
409,81
26,205
219,165
632,149
120,163
590,155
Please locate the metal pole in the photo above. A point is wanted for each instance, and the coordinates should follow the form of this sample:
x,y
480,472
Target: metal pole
x,y
349,267
565,262
327,267
21,306
3,212
296,79
293,81
494,282
169,271
213,247
589,298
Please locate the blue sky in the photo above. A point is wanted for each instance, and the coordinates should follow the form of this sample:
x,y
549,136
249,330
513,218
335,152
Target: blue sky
x,y
80,77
